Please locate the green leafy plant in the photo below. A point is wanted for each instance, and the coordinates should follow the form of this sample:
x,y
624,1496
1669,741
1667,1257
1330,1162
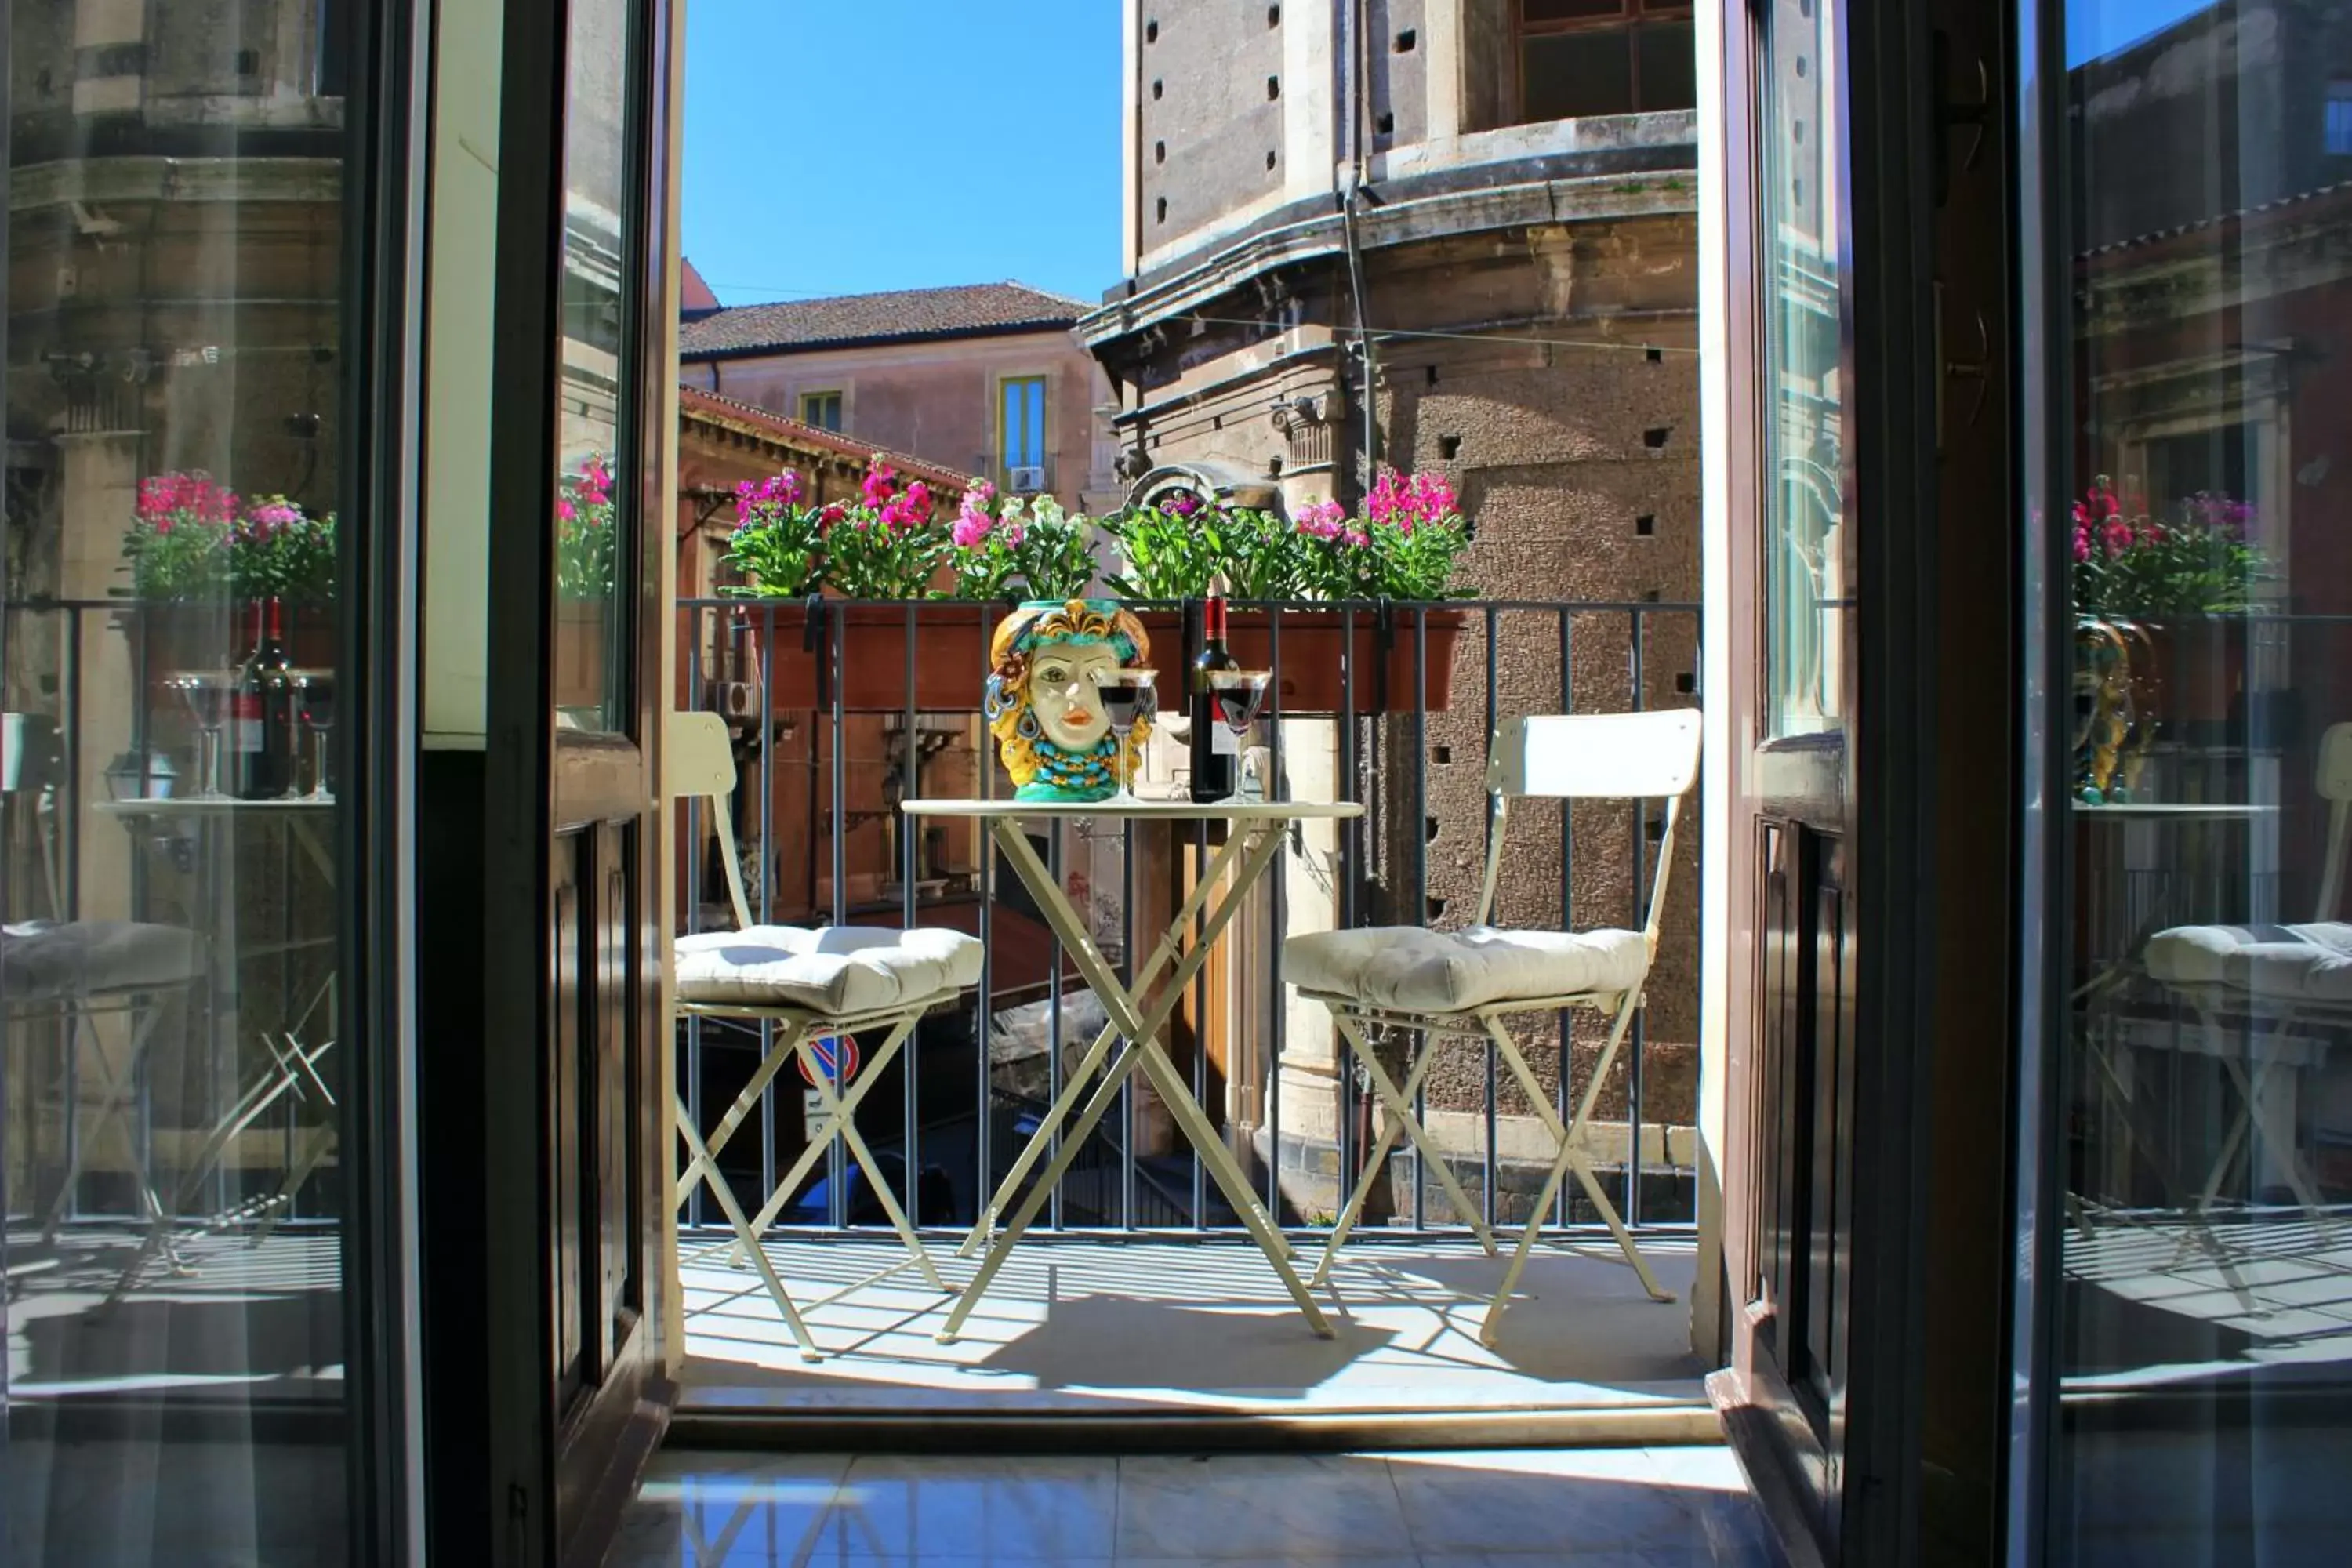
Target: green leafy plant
x,y
1002,548
177,546
2199,564
888,548
277,551
778,543
585,550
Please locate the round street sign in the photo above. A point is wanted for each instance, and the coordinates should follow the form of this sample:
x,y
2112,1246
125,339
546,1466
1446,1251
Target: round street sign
x,y
836,1053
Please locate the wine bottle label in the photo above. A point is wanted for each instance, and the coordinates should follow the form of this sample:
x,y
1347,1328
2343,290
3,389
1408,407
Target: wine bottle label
x,y
245,722
1224,742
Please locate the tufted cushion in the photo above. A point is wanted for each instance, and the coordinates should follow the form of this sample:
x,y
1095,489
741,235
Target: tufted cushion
x,y
834,969
2282,963
1414,970
44,961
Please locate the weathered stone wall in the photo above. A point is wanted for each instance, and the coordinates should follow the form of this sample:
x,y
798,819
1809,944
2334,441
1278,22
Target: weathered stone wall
x,y
1209,115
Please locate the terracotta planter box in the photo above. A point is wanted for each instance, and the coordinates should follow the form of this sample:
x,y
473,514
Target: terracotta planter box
x,y
951,655
2200,669
578,653
178,636
1315,643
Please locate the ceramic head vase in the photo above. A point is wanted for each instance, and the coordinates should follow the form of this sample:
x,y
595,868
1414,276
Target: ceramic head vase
x,y
1041,705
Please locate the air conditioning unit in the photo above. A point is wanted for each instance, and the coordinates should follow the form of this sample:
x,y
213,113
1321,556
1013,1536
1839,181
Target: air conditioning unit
x,y
1028,481
735,699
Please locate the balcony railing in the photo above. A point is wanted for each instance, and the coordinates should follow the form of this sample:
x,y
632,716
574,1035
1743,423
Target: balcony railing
x,y
840,717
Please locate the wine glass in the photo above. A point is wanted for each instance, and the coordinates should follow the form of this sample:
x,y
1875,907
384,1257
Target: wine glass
x,y
314,699
205,694
1126,694
1238,694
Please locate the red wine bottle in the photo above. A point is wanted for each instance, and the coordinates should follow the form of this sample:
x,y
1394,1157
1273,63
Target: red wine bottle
x,y
1214,745
260,736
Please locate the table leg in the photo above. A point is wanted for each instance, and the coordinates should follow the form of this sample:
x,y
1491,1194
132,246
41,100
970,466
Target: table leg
x,y
1219,1161
1168,947
1142,1028
706,1158
845,1125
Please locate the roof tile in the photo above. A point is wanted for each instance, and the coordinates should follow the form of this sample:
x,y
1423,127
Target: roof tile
x,y
899,316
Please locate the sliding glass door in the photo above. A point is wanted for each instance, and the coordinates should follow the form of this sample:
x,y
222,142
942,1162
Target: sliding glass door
x,y
202,624
2188,1141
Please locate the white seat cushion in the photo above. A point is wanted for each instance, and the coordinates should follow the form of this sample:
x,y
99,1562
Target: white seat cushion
x,y
44,961
1414,970
834,969
2281,963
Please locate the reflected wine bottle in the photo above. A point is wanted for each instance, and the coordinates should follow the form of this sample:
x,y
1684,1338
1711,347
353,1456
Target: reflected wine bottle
x,y
1214,745
261,744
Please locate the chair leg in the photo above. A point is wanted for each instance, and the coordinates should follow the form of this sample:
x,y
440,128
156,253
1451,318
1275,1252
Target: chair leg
x,y
1401,1119
1570,1160
843,1119
700,1159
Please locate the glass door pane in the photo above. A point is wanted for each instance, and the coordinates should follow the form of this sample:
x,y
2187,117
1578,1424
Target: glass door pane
x,y
2203,1340
182,1111
596,456
1804,429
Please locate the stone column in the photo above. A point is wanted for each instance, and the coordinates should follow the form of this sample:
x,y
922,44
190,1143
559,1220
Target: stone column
x,y
96,500
1307,1141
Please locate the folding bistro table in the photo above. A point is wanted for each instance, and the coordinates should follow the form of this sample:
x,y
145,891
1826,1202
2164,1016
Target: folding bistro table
x,y
1253,844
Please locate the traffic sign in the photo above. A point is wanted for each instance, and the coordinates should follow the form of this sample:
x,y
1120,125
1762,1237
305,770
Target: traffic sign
x,y
837,1054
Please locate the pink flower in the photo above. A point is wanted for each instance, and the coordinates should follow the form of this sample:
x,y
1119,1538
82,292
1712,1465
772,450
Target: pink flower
x,y
832,514
881,481
969,529
2117,536
1322,520
2083,543
978,494
918,501
565,510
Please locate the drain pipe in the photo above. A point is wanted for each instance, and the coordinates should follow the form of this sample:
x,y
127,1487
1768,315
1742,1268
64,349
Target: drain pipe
x,y
1358,170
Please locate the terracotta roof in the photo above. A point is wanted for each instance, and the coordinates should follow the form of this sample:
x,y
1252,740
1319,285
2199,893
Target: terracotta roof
x,y
695,298
905,315
750,419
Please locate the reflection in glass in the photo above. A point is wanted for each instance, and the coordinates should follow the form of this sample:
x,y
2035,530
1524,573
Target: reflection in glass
x,y
1803,436
592,468
2205,1332
169,1121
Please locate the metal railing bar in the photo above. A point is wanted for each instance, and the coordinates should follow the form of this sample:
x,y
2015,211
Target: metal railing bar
x,y
1567,898
1636,658
909,832
1493,1163
836,625
1417,833
769,1164
1054,1066
1276,788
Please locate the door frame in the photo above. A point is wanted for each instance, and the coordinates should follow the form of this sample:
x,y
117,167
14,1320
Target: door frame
x,y
557,1479
1852,1497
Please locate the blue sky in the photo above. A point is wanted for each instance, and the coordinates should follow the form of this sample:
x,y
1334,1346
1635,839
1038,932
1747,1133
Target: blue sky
x,y
2096,27
843,146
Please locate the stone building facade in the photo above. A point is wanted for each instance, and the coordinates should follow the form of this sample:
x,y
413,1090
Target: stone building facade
x,y
1345,241
984,379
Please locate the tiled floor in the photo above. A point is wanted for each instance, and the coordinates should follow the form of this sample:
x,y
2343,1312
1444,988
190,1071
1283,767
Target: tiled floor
x,y
1060,1328
1624,1507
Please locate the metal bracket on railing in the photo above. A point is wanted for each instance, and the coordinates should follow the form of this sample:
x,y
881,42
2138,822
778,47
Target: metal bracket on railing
x,y
814,641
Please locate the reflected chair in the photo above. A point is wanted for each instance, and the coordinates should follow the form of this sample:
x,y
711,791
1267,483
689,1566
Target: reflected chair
x,y
2273,975
1470,983
79,972
807,990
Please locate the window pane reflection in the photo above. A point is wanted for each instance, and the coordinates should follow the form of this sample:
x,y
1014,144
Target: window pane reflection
x,y
174,1167
1804,564
593,470
2206,1333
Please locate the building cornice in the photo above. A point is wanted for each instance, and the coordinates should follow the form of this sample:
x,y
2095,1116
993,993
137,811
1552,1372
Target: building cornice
x,y
1646,182
162,179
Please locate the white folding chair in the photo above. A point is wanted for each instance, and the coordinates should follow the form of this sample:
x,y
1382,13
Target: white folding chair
x,y
1467,984
2273,974
810,985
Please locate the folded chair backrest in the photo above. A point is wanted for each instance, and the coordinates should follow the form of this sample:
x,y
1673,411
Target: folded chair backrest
x,y
702,763
1594,756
